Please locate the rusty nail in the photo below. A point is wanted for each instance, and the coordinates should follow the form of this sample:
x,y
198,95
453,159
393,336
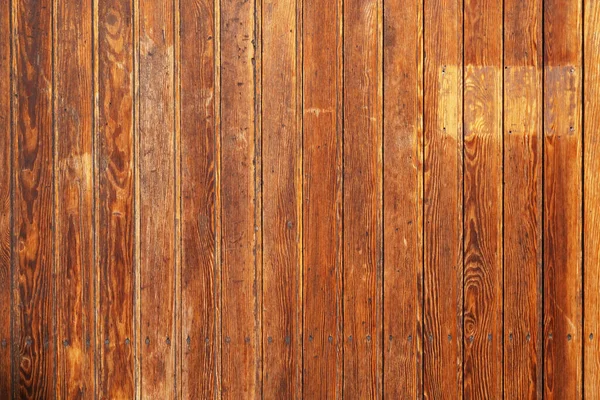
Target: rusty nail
x,y
127,341
106,342
65,343
147,340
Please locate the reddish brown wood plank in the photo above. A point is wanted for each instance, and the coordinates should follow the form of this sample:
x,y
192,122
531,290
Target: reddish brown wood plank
x,y
33,305
239,184
5,199
281,211
523,199
361,200
114,210
321,204
157,236
198,152
562,200
482,221
403,190
443,220
73,138
591,201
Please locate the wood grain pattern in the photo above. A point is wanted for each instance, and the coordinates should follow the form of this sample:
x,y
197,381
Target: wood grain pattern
x,y
114,205
562,200
33,326
5,200
281,204
443,203
299,199
591,200
482,191
198,180
73,180
402,198
156,163
323,336
361,200
240,174
523,199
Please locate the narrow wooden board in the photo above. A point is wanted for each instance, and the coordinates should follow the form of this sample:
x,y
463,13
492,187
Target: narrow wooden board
x,y
34,368
591,201
482,220
198,179
362,173
5,198
523,199
240,202
562,200
156,163
322,197
74,196
114,205
402,198
443,203
281,211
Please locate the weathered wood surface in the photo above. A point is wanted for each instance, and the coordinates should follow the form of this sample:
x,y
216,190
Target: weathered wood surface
x,y
299,199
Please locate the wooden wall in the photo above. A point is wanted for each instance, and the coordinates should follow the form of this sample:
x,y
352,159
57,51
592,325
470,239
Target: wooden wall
x,y
289,199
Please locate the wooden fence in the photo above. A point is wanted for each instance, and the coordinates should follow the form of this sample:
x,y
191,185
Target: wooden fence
x,y
300,199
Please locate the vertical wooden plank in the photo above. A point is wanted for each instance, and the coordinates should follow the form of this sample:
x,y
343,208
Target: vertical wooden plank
x,y
443,220
322,198
114,207
198,151
482,221
562,200
591,201
157,198
240,241
402,197
362,192
523,199
73,110
281,212
5,199
33,298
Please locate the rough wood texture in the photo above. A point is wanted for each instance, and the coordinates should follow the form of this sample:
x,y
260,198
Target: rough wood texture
x,y
282,196
73,180
299,199
156,163
34,371
523,199
402,196
482,190
322,199
361,200
114,204
591,200
562,200
240,196
5,199
443,203
198,178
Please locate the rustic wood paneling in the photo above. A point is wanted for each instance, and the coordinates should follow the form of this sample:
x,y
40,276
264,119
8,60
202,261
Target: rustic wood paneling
x,y
323,336
156,208
591,200
443,200
74,197
402,198
562,199
5,198
114,212
362,200
299,199
522,199
34,342
482,190
281,204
